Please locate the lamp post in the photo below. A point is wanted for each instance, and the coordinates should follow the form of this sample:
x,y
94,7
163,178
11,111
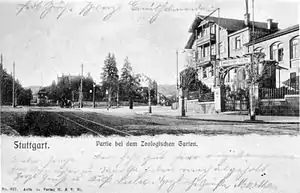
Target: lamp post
x,y
81,85
178,85
106,93
94,93
13,88
149,97
252,103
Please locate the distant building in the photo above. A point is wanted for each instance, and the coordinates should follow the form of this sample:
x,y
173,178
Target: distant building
x,y
68,78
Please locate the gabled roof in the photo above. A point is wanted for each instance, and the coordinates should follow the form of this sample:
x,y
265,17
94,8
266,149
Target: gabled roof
x,y
276,34
231,25
190,42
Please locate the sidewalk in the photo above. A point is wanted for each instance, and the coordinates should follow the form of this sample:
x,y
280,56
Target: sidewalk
x,y
222,117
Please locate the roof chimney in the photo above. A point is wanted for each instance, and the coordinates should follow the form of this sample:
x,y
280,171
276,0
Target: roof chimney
x,y
269,24
247,15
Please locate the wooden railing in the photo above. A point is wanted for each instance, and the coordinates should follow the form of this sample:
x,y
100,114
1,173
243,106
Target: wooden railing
x,y
209,37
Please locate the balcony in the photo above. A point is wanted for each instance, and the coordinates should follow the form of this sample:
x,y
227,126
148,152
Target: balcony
x,y
205,39
203,61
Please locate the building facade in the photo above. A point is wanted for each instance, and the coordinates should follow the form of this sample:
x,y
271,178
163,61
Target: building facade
x,y
283,47
241,54
213,39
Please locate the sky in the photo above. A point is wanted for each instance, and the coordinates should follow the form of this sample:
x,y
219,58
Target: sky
x,y
47,47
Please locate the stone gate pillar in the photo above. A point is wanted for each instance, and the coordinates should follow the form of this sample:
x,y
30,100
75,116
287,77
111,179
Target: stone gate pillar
x,y
219,94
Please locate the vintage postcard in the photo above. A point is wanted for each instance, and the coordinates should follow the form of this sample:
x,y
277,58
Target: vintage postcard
x,y
152,96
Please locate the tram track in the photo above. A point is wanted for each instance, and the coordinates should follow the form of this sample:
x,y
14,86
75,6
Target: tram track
x,y
92,126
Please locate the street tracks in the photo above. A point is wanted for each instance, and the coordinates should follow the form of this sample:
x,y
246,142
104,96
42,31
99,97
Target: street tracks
x,y
92,126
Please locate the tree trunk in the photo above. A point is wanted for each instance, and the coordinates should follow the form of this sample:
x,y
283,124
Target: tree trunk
x,y
251,100
130,103
109,97
183,113
118,98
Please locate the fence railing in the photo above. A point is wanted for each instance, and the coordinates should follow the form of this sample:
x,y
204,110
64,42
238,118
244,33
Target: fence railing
x,y
277,93
207,97
201,97
193,95
236,105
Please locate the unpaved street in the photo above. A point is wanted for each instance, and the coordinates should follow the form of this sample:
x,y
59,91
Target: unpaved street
x,y
74,122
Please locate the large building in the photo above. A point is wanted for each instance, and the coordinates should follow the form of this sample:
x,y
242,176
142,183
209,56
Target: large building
x,y
214,39
243,53
283,47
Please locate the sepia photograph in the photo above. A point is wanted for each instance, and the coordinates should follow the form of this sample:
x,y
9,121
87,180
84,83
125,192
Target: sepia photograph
x,y
165,96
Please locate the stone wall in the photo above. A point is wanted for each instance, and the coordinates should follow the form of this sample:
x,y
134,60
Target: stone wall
x,y
193,106
289,106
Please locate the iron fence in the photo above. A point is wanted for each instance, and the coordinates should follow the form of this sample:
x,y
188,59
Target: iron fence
x,y
236,105
193,95
201,97
277,93
207,97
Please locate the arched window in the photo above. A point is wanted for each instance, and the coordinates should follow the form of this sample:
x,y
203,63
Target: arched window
x,y
295,47
276,51
259,49
280,52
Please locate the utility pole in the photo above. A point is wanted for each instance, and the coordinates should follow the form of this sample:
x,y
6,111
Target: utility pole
x,y
118,94
149,99
1,61
94,85
177,84
80,93
1,74
252,107
13,87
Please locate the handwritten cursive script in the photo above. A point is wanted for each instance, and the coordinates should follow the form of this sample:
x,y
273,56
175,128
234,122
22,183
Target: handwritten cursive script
x,y
157,8
154,170
61,7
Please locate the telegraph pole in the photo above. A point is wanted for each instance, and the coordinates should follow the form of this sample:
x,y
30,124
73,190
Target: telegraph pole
x,y
13,87
177,85
1,68
1,61
94,90
80,93
252,107
149,99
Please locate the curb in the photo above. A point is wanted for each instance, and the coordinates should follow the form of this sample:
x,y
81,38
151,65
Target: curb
x,y
235,121
228,121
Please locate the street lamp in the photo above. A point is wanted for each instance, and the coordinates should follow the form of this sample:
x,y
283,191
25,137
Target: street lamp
x,y
94,93
149,99
177,83
106,93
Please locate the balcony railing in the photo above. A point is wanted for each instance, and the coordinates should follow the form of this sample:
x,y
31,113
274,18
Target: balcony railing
x,y
205,39
204,60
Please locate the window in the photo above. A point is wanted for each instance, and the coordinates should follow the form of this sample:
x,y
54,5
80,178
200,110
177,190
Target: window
x,y
295,48
211,71
280,52
228,77
221,47
206,51
213,29
204,32
238,42
204,73
276,52
259,49
213,49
